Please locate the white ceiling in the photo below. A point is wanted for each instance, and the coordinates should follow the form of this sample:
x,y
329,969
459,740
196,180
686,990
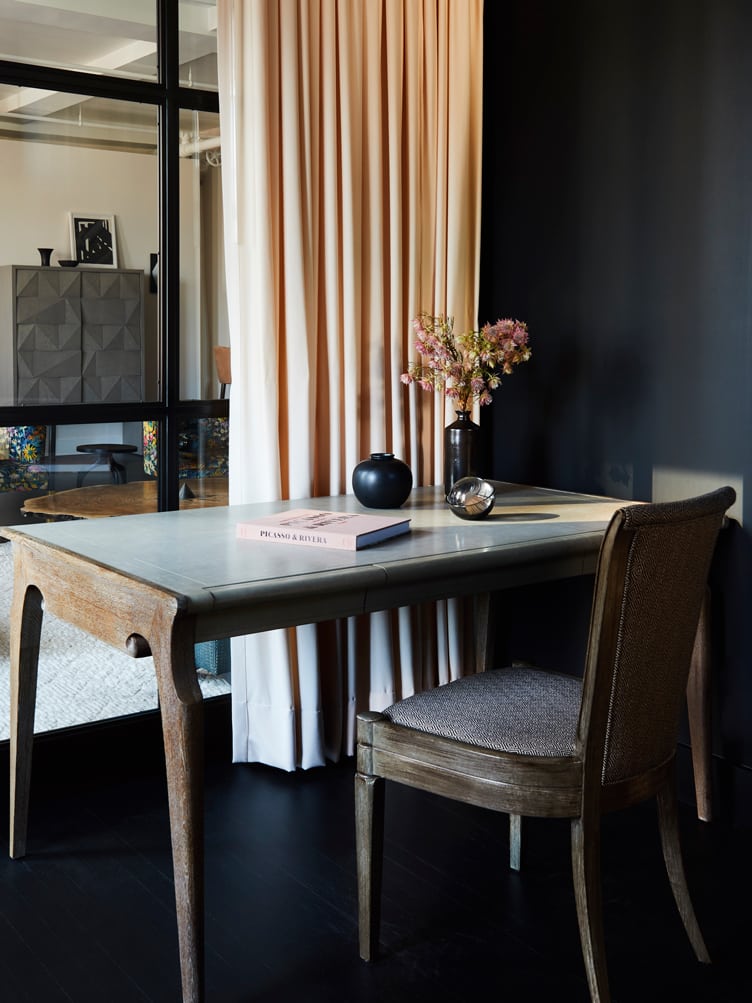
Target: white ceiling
x,y
116,37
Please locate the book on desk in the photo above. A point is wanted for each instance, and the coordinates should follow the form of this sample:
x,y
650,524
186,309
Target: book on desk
x,y
309,527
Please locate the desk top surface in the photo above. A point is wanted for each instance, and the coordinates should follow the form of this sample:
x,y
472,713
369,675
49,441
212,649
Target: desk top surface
x,y
196,554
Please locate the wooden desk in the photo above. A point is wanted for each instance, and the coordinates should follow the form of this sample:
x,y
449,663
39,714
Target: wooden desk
x,y
135,498
159,583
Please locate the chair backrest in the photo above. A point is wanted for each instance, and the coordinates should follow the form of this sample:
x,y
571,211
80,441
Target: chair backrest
x,y
224,371
650,585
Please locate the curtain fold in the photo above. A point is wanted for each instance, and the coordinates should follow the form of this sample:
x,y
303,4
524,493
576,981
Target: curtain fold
x,y
351,179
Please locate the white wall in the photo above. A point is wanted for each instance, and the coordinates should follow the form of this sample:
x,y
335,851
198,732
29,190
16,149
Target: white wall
x,y
41,183
69,437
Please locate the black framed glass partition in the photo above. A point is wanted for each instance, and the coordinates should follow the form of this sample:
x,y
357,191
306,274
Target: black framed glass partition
x,y
102,38
111,283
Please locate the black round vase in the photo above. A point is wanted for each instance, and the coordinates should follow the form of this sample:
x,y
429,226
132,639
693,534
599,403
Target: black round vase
x,y
382,481
45,254
461,450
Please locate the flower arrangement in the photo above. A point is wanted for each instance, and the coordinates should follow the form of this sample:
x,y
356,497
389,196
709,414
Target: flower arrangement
x,y
466,366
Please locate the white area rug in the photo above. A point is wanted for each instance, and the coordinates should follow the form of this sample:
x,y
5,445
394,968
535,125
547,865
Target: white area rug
x,y
81,679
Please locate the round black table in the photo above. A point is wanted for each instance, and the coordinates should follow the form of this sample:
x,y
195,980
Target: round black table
x,y
105,453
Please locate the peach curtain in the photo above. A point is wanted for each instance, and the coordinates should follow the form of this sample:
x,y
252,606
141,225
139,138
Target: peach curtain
x,y
351,159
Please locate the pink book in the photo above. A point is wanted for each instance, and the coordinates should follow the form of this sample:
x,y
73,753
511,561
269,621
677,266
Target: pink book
x,y
314,528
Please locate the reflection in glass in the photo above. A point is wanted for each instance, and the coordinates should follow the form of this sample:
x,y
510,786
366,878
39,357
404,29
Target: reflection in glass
x,y
113,37
79,332
75,332
38,462
197,22
202,275
106,36
103,469
202,448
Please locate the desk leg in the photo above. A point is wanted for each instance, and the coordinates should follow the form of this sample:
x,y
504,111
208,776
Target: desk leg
x,y
25,631
698,708
183,730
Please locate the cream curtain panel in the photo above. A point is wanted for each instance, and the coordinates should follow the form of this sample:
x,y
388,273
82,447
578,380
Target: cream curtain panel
x,y
351,161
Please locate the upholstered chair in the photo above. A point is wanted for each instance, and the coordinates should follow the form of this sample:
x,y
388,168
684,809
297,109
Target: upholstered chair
x,y
527,741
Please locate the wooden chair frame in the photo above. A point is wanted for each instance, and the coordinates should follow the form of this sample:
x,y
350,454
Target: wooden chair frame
x,y
569,786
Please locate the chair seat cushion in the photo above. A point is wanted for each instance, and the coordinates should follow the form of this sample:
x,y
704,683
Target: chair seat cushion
x,y
521,710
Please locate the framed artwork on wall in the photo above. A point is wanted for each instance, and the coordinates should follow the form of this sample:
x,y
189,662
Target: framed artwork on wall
x,y
93,239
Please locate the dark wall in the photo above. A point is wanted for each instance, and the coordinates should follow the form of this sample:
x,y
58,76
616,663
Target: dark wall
x,y
617,221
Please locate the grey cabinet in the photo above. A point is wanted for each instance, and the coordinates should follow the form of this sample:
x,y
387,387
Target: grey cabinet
x,y
77,335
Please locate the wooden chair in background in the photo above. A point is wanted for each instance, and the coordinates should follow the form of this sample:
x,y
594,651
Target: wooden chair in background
x,y
224,372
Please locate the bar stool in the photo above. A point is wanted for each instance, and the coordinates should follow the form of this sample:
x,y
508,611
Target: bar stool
x,y
105,454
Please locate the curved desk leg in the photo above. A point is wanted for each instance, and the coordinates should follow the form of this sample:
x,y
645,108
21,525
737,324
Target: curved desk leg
x,y
698,708
25,631
183,730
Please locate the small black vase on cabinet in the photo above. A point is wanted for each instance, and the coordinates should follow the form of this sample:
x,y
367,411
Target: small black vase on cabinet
x,y
382,481
461,450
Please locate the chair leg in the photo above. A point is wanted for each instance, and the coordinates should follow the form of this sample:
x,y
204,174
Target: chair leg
x,y
515,841
369,844
26,617
668,823
698,707
586,864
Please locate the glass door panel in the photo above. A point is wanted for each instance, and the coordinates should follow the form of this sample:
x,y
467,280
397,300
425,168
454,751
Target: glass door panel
x,y
197,21
93,36
79,320
202,278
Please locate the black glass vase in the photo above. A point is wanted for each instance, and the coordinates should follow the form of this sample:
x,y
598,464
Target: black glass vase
x,y
461,450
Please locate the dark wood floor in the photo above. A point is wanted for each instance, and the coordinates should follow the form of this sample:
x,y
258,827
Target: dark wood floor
x,y
88,916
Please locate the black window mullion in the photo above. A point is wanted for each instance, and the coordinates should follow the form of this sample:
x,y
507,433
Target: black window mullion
x,y
169,207
78,82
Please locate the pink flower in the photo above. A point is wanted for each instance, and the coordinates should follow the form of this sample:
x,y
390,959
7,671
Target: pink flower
x,y
466,366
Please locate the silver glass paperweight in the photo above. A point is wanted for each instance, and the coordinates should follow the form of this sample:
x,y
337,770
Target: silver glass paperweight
x,y
471,498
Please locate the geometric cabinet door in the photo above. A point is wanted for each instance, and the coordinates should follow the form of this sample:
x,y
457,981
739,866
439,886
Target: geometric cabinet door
x,y
78,335
111,335
47,336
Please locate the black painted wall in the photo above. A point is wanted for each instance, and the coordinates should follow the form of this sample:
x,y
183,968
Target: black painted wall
x,y
617,221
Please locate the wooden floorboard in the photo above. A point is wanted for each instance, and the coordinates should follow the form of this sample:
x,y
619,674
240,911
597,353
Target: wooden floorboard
x,y
88,915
